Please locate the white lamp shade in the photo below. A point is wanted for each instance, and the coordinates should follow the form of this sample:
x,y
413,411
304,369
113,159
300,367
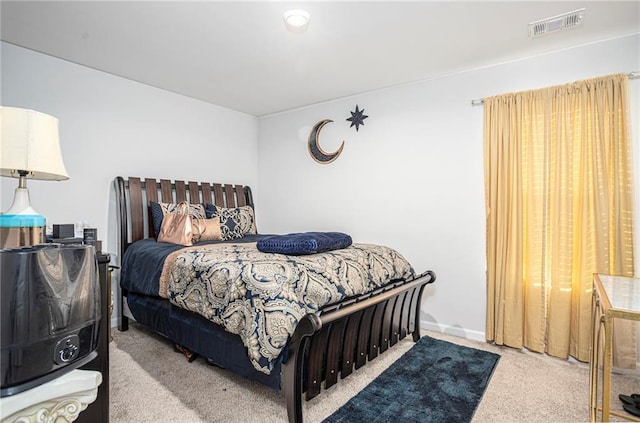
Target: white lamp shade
x,y
30,142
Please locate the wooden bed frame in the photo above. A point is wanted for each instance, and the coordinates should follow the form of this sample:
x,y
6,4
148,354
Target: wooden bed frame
x,y
333,341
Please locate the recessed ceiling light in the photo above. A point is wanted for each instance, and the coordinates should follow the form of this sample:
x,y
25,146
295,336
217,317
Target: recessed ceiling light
x,y
296,20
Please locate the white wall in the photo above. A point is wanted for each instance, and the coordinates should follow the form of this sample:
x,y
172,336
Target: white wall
x,y
111,126
412,177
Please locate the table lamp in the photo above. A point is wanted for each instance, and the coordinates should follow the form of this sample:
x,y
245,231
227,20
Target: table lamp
x,y
29,148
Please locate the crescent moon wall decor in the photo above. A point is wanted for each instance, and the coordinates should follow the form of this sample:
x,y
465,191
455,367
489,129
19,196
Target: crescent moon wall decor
x,y
318,154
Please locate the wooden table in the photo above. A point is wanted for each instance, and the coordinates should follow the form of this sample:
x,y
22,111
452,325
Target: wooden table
x,y
614,297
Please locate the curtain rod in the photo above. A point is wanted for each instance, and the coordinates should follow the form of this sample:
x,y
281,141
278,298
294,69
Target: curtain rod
x,y
632,75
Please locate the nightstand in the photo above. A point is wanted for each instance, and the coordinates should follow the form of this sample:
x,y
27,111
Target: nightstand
x,y
98,411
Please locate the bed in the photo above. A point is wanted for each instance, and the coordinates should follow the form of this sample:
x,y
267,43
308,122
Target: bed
x,y
299,346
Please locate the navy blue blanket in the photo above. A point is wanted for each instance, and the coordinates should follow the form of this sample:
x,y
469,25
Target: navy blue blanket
x,y
304,243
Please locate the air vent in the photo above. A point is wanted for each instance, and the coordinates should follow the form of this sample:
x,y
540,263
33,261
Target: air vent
x,y
556,23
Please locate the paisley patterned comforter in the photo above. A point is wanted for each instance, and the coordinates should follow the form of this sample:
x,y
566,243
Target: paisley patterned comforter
x,y
262,296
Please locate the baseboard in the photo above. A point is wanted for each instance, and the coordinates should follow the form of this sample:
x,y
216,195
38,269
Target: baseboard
x,y
453,330
480,336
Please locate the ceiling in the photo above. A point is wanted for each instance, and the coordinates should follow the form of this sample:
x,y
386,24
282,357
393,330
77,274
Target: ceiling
x,y
239,55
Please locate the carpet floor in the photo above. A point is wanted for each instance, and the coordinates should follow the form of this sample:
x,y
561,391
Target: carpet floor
x,y
149,382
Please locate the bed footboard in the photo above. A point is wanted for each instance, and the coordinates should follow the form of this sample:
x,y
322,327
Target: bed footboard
x,y
341,338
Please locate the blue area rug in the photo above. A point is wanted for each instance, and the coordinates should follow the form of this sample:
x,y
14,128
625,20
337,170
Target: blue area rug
x,y
435,381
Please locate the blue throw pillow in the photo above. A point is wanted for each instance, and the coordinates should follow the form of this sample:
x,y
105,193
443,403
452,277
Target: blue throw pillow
x,y
156,217
304,243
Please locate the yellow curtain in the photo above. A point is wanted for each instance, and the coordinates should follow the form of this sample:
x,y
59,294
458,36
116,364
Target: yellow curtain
x,y
559,209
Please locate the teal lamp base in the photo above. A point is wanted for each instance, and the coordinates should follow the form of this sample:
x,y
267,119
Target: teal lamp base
x,y
21,225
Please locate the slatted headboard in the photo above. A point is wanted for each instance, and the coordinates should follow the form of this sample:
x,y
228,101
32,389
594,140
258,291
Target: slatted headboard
x,y
134,195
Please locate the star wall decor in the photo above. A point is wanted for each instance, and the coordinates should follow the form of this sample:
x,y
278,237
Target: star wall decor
x,y
357,118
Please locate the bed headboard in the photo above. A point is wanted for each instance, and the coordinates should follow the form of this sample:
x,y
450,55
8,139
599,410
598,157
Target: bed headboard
x,y
133,195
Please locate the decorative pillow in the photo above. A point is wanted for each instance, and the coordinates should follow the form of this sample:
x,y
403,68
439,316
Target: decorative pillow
x,y
211,229
158,211
234,223
304,243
